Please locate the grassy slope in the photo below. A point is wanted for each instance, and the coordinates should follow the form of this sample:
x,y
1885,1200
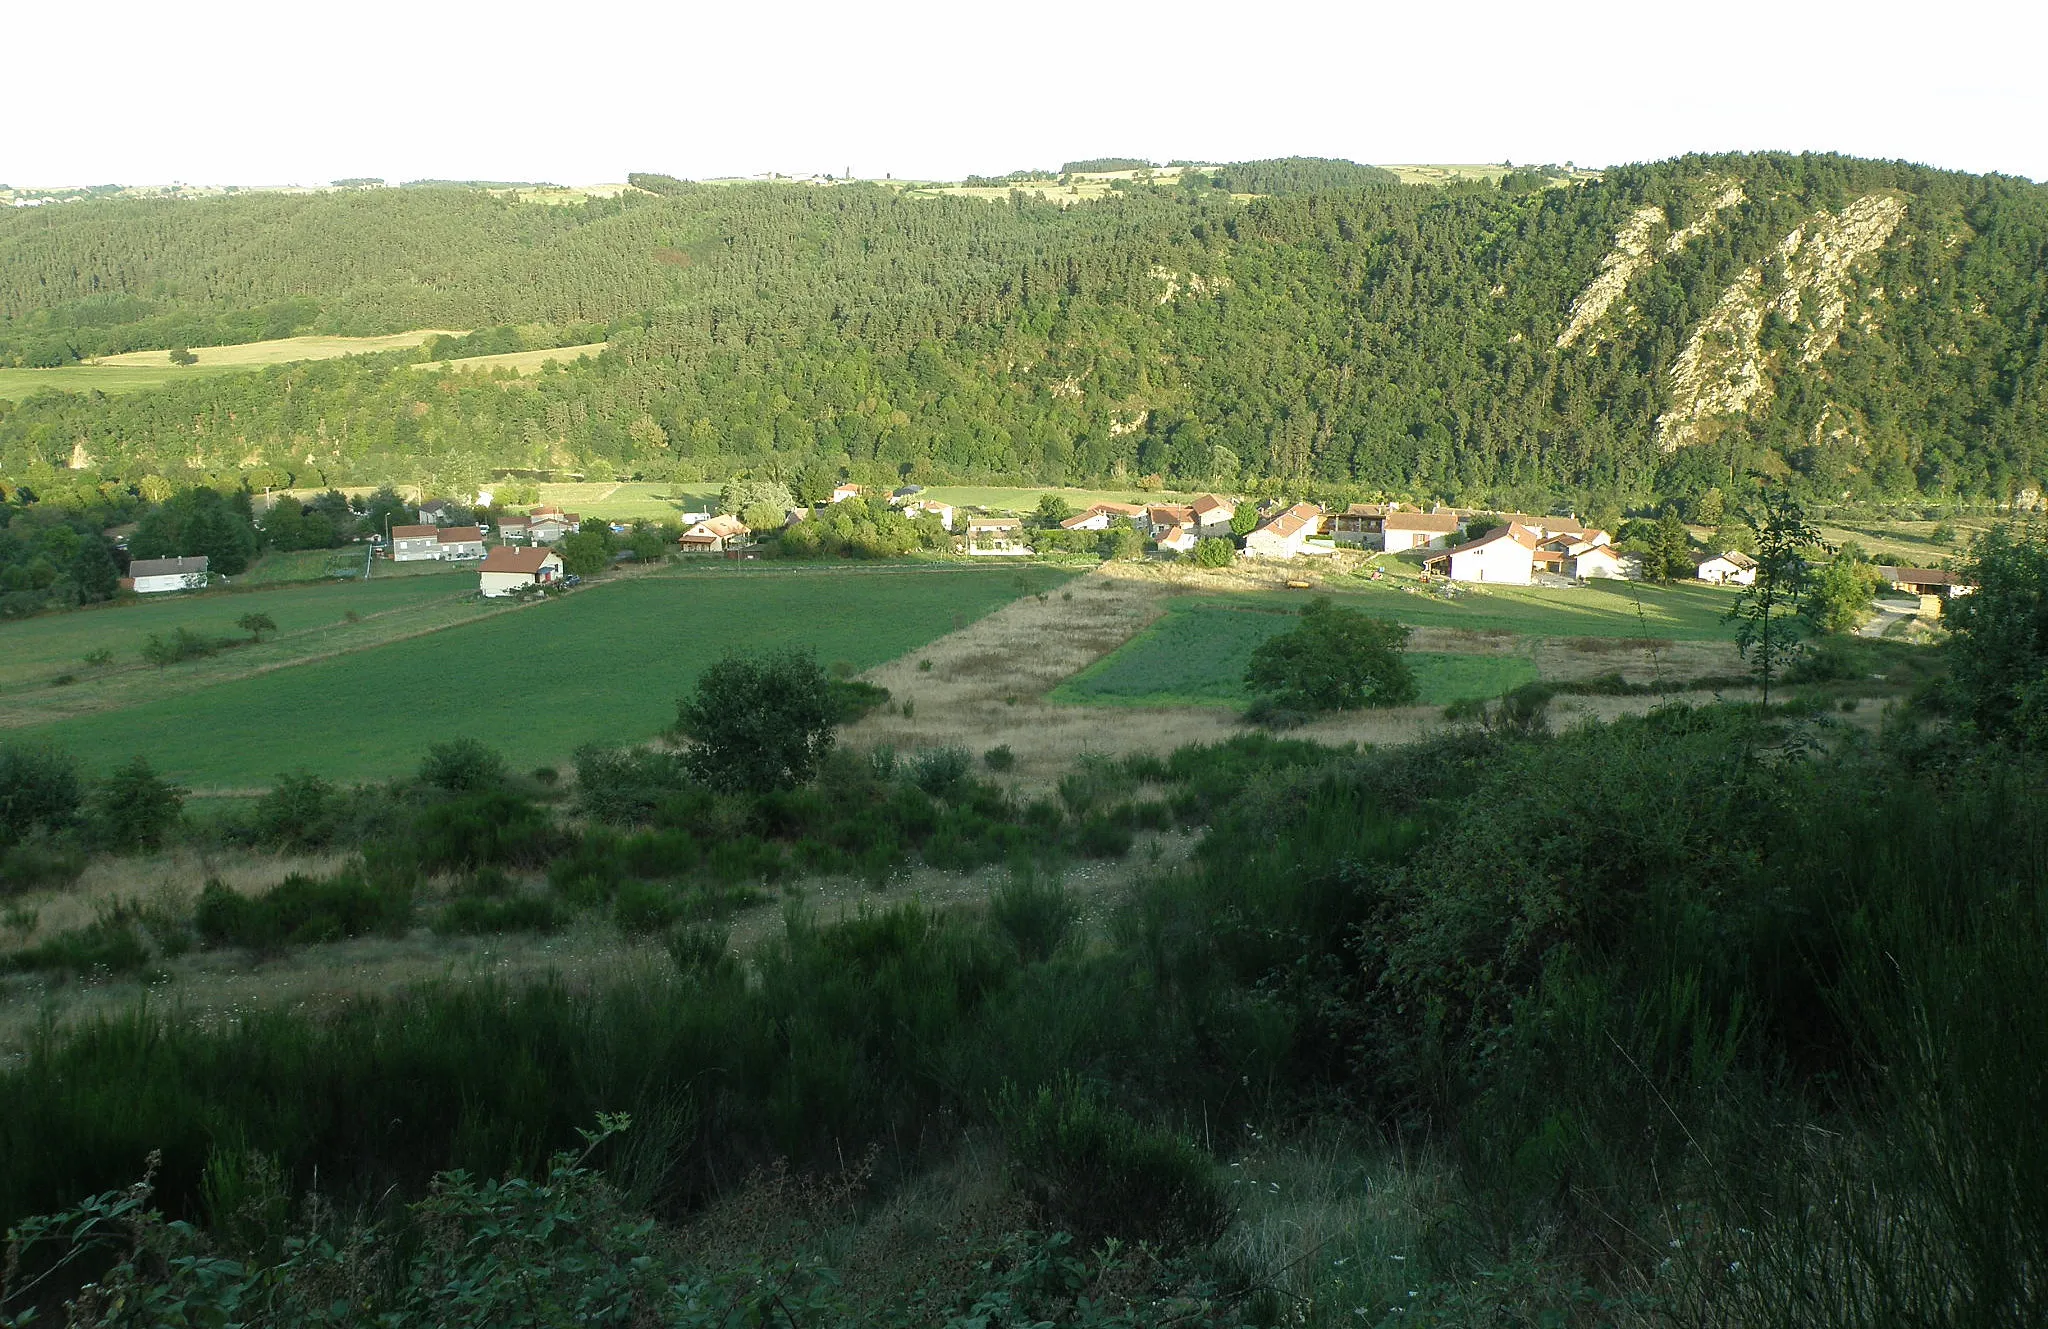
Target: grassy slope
x,y
1196,655
148,369
1682,612
32,649
601,666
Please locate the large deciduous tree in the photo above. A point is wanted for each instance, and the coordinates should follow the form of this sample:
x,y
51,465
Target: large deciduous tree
x,y
758,722
1338,659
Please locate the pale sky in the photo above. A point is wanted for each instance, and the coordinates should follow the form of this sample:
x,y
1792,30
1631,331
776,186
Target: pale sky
x,y
583,92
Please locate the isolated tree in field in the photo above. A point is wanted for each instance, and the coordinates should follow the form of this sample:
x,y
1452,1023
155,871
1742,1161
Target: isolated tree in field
x,y
1766,629
1338,659
1998,650
1051,511
181,356
757,723
462,765
256,625
1214,552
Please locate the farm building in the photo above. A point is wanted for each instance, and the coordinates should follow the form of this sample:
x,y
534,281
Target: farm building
x,y
1600,560
1362,524
1212,514
1102,516
715,535
1417,530
148,576
462,542
412,544
1733,568
996,535
1286,534
506,570
1504,556
1926,581
547,525
943,511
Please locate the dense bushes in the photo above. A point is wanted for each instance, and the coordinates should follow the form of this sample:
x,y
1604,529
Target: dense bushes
x,y
301,910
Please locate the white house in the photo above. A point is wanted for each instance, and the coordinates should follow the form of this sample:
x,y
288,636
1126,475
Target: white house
x,y
1285,534
462,542
996,535
1504,556
715,535
547,525
943,511
846,491
1212,514
148,576
1102,516
1600,560
1733,568
1180,539
506,570
1417,530
412,544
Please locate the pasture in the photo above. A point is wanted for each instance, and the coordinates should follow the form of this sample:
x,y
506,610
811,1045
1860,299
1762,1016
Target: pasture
x,y
1196,655
629,500
135,370
1678,612
603,665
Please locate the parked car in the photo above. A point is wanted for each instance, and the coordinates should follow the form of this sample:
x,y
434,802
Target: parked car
x,y
572,580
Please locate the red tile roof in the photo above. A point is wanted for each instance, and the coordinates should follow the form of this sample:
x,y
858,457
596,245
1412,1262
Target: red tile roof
x,y
1441,523
415,532
457,535
505,558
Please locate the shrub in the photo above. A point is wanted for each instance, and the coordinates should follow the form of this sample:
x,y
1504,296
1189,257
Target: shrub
x,y
940,771
297,813
107,944
488,827
133,808
1102,836
1097,1172
703,952
1214,552
641,907
1037,916
39,864
462,765
999,758
851,699
302,910
590,872
40,792
624,786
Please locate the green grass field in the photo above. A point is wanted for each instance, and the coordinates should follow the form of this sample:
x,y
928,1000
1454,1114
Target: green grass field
x,y
135,370
604,665
1196,656
1683,612
33,649
629,500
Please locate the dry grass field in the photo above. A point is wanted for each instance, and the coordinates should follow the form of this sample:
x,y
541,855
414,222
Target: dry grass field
x,y
136,370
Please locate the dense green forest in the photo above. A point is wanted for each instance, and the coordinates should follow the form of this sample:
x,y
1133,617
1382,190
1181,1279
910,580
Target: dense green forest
x,y
1487,344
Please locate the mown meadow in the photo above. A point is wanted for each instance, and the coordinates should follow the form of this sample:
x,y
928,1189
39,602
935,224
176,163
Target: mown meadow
x,y
1196,654
603,664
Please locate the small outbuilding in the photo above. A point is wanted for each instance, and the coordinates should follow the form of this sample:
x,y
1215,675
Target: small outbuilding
x,y
1733,568
506,570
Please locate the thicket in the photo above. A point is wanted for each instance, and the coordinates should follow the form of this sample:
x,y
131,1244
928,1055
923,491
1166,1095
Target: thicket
x,y
1694,1000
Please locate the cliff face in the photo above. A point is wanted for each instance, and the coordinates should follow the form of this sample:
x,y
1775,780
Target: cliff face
x,y
1725,370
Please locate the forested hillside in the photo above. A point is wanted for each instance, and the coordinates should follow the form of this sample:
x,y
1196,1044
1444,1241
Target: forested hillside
x,y
1863,330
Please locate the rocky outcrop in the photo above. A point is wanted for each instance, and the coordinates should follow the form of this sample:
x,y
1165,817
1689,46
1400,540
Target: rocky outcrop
x,y
1722,371
1635,250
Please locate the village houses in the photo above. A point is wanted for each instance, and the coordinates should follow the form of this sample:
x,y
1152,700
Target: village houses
x,y
1285,534
1102,516
1212,515
715,535
1402,531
